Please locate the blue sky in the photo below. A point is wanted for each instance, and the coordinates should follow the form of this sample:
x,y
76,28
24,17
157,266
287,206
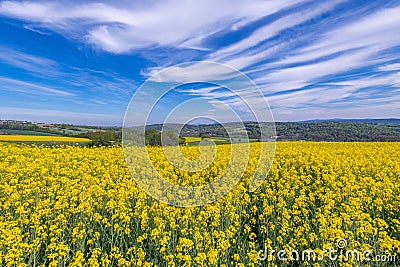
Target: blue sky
x,y
81,61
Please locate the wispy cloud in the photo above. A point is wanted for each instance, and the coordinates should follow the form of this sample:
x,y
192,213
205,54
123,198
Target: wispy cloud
x,y
120,29
76,81
29,88
100,83
306,56
341,49
347,47
28,62
247,51
307,74
337,98
392,79
373,33
390,67
196,71
369,109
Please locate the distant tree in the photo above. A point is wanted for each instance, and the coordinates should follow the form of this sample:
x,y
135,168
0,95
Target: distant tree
x,y
118,136
153,138
182,140
204,136
102,138
168,138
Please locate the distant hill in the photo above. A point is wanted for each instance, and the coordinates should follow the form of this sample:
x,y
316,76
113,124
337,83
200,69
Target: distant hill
x,y
341,131
385,121
29,128
329,131
333,130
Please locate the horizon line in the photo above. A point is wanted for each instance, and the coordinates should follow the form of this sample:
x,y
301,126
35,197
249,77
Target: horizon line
x,y
198,124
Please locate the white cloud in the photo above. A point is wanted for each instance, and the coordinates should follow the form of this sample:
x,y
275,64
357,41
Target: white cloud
x,y
357,45
374,81
108,82
287,63
300,98
200,91
390,67
375,32
330,94
297,77
30,88
234,54
27,62
202,71
372,109
120,29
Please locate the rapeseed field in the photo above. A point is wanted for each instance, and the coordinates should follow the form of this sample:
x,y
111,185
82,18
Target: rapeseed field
x,y
79,206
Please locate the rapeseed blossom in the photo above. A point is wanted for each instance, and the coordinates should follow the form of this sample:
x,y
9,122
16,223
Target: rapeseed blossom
x,y
77,206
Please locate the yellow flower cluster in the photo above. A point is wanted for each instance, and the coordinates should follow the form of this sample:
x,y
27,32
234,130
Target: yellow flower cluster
x,y
78,206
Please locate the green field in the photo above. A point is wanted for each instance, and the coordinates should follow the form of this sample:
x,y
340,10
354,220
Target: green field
x,y
25,132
